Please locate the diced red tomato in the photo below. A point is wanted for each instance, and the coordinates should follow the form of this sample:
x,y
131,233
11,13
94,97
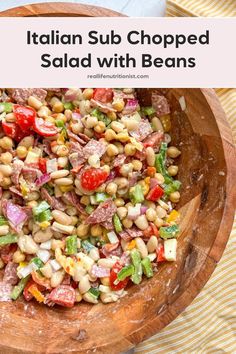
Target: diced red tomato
x,y
25,116
42,165
160,253
27,295
104,95
113,277
155,193
151,230
14,131
44,128
63,295
92,178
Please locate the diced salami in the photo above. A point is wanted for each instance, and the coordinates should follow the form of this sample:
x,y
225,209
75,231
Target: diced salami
x,y
160,104
77,158
100,272
46,147
31,174
143,130
104,212
16,171
133,178
119,160
6,252
15,191
94,147
63,295
84,137
21,95
125,236
10,274
105,108
66,280
108,224
134,232
154,140
54,202
130,107
5,291
74,146
72,198
125,258
76,138
112,249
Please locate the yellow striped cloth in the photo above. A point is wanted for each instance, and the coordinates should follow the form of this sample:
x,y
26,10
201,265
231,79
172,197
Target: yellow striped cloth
x,y
208,325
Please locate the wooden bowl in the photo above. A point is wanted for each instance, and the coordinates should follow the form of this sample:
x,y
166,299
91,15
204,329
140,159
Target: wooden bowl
x,y
207,171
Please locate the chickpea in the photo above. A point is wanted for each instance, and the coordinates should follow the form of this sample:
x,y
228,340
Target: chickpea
x,y
27,142
68,114
119,202
10,117
151,214
88,93
121,182
101,189
111,188
77,128
123,137
175,197
126,169
6,143
6,158
58,107
110,135
118,105
6,170
33,196
156,125
62,150
74,220
173,170
32,203
72,211
131,124
119,146
43,112
94,160
21,152
130,149
18,256
5,182
122,212
111,115
100,127
82,231
117,126
112,150
85,200
89,132
105,281
47,270
61,116
96,230
127,223
137,165
160,179
173,152
91,122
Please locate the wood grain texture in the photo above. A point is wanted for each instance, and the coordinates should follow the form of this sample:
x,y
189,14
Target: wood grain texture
x,y
207,171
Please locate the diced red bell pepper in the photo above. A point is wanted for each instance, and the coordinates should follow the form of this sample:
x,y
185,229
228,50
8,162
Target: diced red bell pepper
x,y
155,193
160,253
42,165
113,277
27,295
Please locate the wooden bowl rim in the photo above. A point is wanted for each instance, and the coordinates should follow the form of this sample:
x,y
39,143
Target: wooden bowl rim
x,y
152,326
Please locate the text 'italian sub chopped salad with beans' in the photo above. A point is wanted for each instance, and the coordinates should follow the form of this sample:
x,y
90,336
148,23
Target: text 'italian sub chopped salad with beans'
x,y
88,193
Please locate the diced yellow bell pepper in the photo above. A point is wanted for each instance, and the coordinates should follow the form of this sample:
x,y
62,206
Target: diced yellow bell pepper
x,y
36,293
22,264
44,224
174,215
145,187
66,188
131,245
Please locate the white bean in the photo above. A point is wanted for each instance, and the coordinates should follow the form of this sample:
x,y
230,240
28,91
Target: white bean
x,y
63,181
141,222
84,285
61,217
43,235
57,278
59,174
152,244
106,262
27,244
65,229
161,212
150,156
79,272
141,247
46,270
4,229
90,298
108,297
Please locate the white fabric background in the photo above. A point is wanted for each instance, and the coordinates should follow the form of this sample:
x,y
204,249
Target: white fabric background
x,y
133,8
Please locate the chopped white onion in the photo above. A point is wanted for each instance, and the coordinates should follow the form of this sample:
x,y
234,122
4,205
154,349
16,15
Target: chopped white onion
x,y
134,211
55,265
51,165
182,103
24,271
46,245
152,256
44,255
112,237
